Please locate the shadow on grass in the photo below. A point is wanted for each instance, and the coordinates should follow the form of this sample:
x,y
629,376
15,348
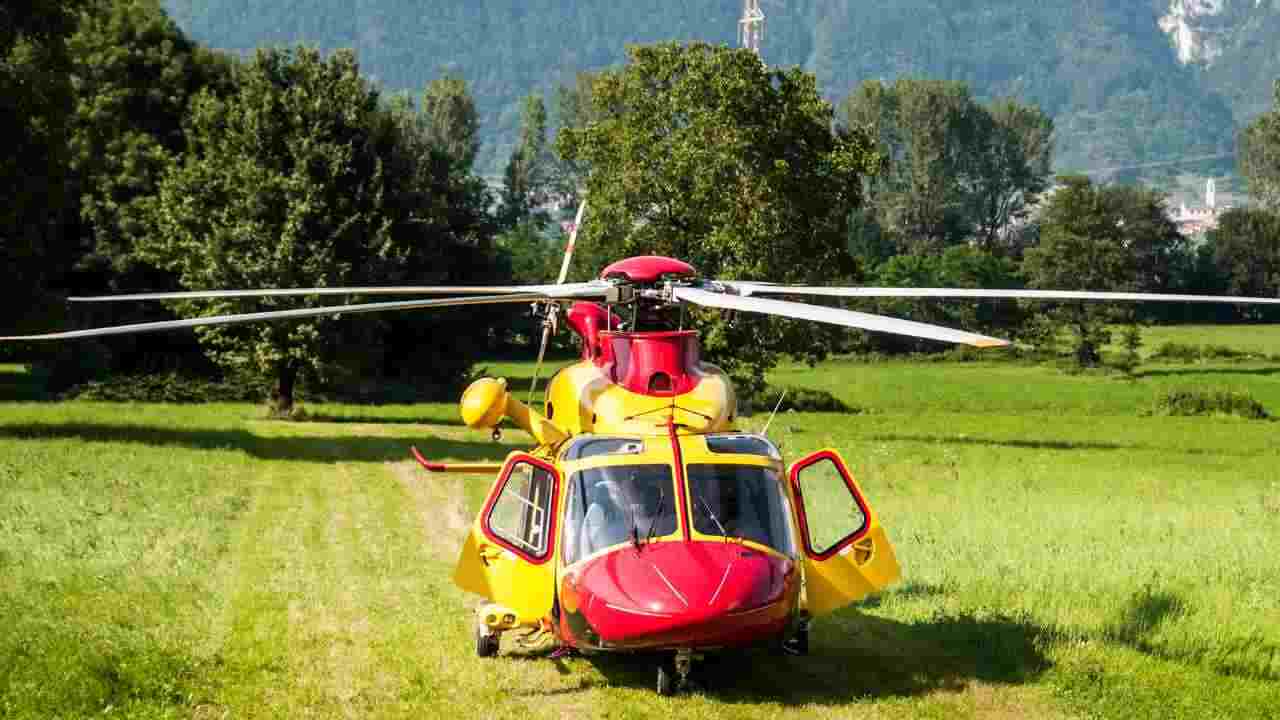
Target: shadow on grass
x,y
1048,444
1147,611
307,449
1191,371
993,442
854,655
358,419
911,589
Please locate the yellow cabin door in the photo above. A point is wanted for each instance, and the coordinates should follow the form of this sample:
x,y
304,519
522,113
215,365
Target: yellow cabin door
x,y
508,556
847,554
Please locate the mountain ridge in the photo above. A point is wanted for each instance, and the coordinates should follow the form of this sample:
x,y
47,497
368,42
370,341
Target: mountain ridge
x,y
1128,83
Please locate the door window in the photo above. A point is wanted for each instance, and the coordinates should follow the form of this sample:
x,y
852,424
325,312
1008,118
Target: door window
x,y
521,515
832,512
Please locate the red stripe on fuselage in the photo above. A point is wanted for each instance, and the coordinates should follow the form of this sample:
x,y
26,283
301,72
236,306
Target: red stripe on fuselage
x,y
678,460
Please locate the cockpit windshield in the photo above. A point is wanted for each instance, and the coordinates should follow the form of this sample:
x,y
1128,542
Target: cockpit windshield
x,y
617,504
742,501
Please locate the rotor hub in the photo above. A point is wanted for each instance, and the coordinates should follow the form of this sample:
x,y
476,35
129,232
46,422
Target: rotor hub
x,y
648,269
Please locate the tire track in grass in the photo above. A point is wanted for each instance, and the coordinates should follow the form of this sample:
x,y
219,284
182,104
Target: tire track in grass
x,y
475,687
253,634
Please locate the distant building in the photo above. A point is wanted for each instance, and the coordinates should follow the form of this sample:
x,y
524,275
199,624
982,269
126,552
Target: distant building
x,y
1197,220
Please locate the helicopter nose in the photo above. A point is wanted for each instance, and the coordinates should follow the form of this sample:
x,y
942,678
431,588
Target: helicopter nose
x,y
683,594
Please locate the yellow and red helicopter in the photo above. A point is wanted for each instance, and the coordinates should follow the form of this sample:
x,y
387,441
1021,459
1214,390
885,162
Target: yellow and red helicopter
x,y
644,519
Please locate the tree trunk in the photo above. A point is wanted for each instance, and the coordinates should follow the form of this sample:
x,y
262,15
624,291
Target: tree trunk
x,y
282,396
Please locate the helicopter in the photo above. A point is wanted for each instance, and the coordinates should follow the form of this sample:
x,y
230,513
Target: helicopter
x,y
644,519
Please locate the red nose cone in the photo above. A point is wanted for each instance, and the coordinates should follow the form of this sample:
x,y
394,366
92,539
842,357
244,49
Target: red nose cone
x,y
680,594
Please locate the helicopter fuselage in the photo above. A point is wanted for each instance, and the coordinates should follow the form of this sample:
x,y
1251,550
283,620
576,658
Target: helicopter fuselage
x,y
645,521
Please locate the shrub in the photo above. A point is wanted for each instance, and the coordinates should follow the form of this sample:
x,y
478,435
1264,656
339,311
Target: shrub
x,y
1181,352
1193,402
1185,352
799,400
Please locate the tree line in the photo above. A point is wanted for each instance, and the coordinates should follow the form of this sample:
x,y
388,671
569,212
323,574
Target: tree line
x,y
145,161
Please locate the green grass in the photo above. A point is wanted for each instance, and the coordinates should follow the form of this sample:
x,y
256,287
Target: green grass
x,y
1258,339
1063,555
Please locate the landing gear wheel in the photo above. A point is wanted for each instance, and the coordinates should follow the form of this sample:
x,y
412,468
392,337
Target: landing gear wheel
x,y
797,644
486,645
802,641
666,678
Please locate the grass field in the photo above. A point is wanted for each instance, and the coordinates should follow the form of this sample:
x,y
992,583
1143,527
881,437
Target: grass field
x,y
1064,555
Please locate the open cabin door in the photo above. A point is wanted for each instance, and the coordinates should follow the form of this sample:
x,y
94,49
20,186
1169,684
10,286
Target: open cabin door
x,y
847,554
508,554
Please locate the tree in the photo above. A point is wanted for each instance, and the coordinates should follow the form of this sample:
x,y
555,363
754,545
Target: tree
x,y
1246,247
1259,156
573,109
451,122
959,266
124,132
705,154
36,98
931,131
298,179
1014,168
525,182
1100,238
957,170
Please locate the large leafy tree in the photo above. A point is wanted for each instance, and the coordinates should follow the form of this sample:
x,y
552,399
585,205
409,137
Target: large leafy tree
x,y
573,109
705,154
1259,156
36,100
526,180
1014,165
299,178
931,131
451,122
134,74
958,170
1100,238
1246,250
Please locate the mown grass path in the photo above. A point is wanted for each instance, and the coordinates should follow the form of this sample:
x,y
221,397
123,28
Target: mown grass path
x,y
1063,556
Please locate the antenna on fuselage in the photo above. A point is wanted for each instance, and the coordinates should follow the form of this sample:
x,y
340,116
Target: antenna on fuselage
x,y
765,431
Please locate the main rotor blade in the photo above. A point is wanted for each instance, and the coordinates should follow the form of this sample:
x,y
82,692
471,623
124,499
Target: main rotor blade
x,y
281,315
550,325
573,240
559,291
753,288
836,316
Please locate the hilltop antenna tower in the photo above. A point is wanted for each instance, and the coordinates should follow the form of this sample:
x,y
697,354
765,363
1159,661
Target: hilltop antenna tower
x,y
751,26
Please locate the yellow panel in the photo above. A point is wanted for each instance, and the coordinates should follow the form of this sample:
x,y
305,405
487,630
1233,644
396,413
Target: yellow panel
x,y
838,581
500,575
582,399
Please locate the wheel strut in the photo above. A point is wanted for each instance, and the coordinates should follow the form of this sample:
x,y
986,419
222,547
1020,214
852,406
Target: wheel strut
x,y
684,664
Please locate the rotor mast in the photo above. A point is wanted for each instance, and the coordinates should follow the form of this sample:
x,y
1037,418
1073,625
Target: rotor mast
x,y
751,26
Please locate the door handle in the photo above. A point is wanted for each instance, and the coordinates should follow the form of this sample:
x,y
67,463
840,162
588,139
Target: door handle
x,y
489,553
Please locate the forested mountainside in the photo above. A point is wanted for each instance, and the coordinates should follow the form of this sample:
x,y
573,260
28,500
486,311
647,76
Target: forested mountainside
x,y
1128,81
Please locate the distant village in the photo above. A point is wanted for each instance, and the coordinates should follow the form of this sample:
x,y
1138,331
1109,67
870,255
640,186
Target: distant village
x,y
1194,221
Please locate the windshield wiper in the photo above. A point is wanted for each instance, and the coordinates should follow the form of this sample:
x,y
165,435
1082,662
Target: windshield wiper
x,y
635,528
657,513
707,509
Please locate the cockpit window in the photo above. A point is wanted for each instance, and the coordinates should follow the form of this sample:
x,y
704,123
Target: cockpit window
x,y
742,445
741,501
617,504
594,446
